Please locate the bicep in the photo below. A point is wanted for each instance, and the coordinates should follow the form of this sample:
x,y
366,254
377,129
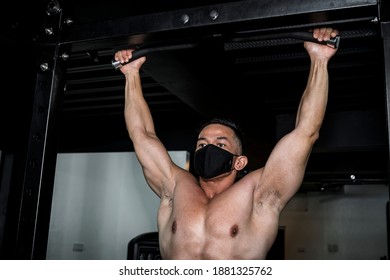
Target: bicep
x,y
157,165
284,170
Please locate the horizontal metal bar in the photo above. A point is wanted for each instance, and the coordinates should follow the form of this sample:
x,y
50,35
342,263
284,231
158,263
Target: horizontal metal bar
x,y
140,29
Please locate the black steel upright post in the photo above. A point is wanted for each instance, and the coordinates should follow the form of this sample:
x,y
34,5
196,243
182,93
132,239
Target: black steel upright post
x,y
385,29
35,205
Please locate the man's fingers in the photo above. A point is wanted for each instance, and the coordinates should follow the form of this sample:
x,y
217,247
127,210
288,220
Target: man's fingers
x,y
324,33
123,55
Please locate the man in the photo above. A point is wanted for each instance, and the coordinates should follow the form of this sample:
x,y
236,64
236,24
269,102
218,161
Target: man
x,y
216,216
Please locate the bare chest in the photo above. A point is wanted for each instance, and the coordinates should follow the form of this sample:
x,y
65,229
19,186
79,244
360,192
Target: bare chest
x,y
198,228
214,219
194,227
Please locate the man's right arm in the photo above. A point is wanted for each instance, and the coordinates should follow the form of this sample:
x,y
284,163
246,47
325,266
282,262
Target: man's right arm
x,y
156,163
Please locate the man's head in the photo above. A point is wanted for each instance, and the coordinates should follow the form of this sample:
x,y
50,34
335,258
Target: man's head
x,y
237,133
219,149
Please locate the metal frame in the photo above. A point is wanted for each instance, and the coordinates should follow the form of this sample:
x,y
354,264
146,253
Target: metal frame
x,y
385,28
59,38
37,189
212,20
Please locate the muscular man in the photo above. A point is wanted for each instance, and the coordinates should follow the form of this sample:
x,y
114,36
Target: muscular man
x,y
215,216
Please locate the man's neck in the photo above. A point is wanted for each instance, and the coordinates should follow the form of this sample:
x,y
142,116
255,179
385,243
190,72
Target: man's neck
x,y
217,185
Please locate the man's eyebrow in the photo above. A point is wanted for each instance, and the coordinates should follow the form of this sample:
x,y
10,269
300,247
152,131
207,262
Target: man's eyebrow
x,y
218,138
222,138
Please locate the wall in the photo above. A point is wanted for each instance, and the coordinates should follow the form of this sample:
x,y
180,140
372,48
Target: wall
x,y
349,225
100,202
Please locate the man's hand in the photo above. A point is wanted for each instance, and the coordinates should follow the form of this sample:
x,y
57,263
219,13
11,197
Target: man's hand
x,y
318,50
124,56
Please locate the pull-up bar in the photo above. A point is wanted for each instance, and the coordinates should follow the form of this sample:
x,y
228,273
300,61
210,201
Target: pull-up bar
x,y
304,36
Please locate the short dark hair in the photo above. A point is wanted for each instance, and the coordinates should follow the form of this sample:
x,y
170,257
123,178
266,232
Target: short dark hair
x,y
226,122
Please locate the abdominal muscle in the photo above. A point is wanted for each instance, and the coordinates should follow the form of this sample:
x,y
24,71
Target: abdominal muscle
x,y
194,227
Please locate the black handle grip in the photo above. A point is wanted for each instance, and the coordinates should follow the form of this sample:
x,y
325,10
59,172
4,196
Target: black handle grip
x,y
308,36
142,52
299,35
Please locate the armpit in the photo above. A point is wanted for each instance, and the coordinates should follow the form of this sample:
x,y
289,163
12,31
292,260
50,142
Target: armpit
x,y
268,200
167,197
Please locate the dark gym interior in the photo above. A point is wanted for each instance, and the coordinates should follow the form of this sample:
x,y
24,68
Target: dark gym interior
x,y
240,59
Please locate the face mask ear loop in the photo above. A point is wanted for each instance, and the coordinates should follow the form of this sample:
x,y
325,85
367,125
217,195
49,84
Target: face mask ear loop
x,y
232,168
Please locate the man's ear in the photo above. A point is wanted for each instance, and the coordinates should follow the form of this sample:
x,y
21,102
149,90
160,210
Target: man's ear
x,y
240,163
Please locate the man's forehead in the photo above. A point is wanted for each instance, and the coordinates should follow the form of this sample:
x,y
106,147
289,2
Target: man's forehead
x,y
216,131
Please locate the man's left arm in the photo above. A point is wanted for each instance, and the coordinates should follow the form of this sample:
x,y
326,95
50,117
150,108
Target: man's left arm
x,y
285,168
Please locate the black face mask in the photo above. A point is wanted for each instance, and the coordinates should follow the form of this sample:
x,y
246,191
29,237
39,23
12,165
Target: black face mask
x,y
211,161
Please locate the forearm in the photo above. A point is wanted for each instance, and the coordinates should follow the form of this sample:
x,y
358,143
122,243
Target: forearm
x,y
314,100
137,114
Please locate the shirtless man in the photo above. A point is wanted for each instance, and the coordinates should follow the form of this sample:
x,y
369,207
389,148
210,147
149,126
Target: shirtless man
x,y
215,216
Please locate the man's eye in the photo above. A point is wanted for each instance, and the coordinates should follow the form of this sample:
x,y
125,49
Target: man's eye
x,y
221,145
201,145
